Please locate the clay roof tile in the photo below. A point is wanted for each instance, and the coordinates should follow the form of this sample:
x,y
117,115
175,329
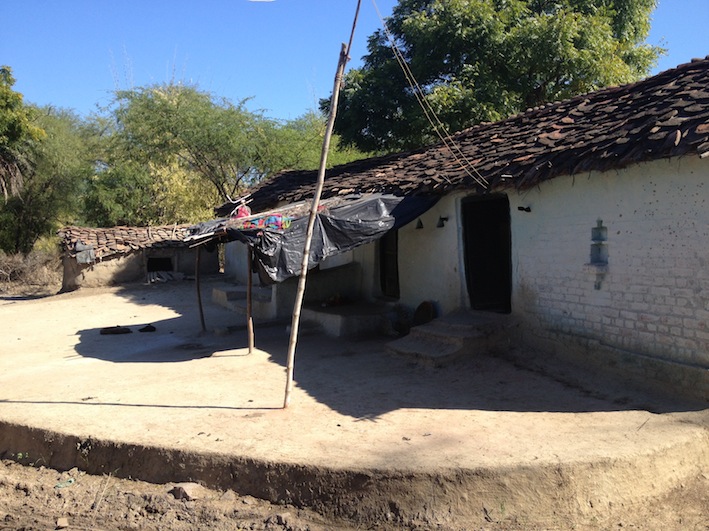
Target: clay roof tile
x,y
661,116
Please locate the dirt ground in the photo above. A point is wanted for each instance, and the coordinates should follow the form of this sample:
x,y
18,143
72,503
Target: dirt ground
x,y
39,498
385,428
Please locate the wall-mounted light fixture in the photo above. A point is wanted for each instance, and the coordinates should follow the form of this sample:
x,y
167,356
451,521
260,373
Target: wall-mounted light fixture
x,y
441,222
524,209
419,224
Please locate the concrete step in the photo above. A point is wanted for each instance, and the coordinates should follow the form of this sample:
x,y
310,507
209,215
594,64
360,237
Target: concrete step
x,y
450,337
233,298
222,295
229,294
444,333
351,320
425,350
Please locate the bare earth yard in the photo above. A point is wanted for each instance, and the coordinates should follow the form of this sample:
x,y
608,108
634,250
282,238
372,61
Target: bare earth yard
x,y
371,441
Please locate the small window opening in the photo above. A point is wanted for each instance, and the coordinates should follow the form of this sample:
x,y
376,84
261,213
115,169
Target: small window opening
x,y
599,245
159,264
599,252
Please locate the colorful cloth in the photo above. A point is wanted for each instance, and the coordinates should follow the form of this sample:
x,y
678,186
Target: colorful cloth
x,y
273,221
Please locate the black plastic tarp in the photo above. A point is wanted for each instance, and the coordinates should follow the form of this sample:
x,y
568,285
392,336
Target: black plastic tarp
x,y
355,220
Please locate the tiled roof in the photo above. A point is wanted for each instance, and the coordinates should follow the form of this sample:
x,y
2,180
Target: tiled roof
x,y
662,116
111,242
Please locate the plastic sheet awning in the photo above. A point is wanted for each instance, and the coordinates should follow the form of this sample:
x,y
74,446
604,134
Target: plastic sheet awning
x,y
343,223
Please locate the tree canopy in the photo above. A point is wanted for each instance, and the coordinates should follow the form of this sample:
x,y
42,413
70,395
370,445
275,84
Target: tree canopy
x,y
17,133
221,141
169,153
483,60
160,154
57,165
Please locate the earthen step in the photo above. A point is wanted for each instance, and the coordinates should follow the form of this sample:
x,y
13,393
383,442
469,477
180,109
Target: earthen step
x,y
426,350
450,337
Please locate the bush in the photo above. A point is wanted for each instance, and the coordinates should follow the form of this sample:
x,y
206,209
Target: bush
x,y
11,267
37,272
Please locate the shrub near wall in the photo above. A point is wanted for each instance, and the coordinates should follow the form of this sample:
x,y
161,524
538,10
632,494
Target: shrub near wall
x,y
34,273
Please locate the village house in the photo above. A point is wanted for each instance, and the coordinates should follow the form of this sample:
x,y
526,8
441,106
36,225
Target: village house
x,y
94,257
585,222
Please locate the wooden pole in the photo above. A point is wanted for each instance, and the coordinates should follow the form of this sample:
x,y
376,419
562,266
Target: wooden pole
x,y
199,288
249,307
313,213
309,232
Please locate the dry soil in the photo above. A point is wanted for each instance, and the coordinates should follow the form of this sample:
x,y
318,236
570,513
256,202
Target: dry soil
x,y
371,441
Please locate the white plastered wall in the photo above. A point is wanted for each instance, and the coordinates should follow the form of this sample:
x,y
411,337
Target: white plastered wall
x,y
651,298
431,260
235,262
653,295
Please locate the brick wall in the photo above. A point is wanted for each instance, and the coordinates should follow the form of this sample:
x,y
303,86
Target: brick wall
x,y
647,292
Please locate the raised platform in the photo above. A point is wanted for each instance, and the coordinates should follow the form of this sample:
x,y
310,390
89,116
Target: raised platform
x,y
350,321
368,437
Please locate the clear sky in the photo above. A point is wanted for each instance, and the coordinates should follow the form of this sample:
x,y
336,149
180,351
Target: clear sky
x,y
282,53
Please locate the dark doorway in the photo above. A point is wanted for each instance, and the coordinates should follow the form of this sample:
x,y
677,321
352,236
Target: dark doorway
x,y
159,264
389,264
488,255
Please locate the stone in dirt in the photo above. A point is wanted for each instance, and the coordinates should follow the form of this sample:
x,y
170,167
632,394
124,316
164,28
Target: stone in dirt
x,y
188,491
62,523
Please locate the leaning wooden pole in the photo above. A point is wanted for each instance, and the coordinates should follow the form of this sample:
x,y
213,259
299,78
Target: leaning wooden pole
x,y
249,299
313,214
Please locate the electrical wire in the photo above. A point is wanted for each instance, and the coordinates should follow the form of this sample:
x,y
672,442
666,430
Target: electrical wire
x,y
435,122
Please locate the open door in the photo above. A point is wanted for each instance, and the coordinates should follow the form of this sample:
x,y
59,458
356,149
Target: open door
x,y
487,250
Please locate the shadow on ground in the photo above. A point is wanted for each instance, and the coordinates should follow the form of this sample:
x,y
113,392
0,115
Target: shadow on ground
x,y
363,381
173,340
359,379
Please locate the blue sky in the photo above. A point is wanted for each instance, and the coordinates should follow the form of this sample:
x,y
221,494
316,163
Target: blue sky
x,y
282,54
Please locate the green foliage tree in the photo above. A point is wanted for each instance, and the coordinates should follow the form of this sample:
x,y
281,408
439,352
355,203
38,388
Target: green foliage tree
x,y
170,153
119,194
18,133
483,60
56,166
120,190
222,142
297,145
180,194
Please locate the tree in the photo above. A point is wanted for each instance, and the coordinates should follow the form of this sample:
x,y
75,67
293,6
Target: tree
x,y
297,145
56,166
483,60
170,153
18,132
222,142
119,194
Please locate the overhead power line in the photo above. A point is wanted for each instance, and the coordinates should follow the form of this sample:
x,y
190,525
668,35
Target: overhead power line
x,y
438,127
